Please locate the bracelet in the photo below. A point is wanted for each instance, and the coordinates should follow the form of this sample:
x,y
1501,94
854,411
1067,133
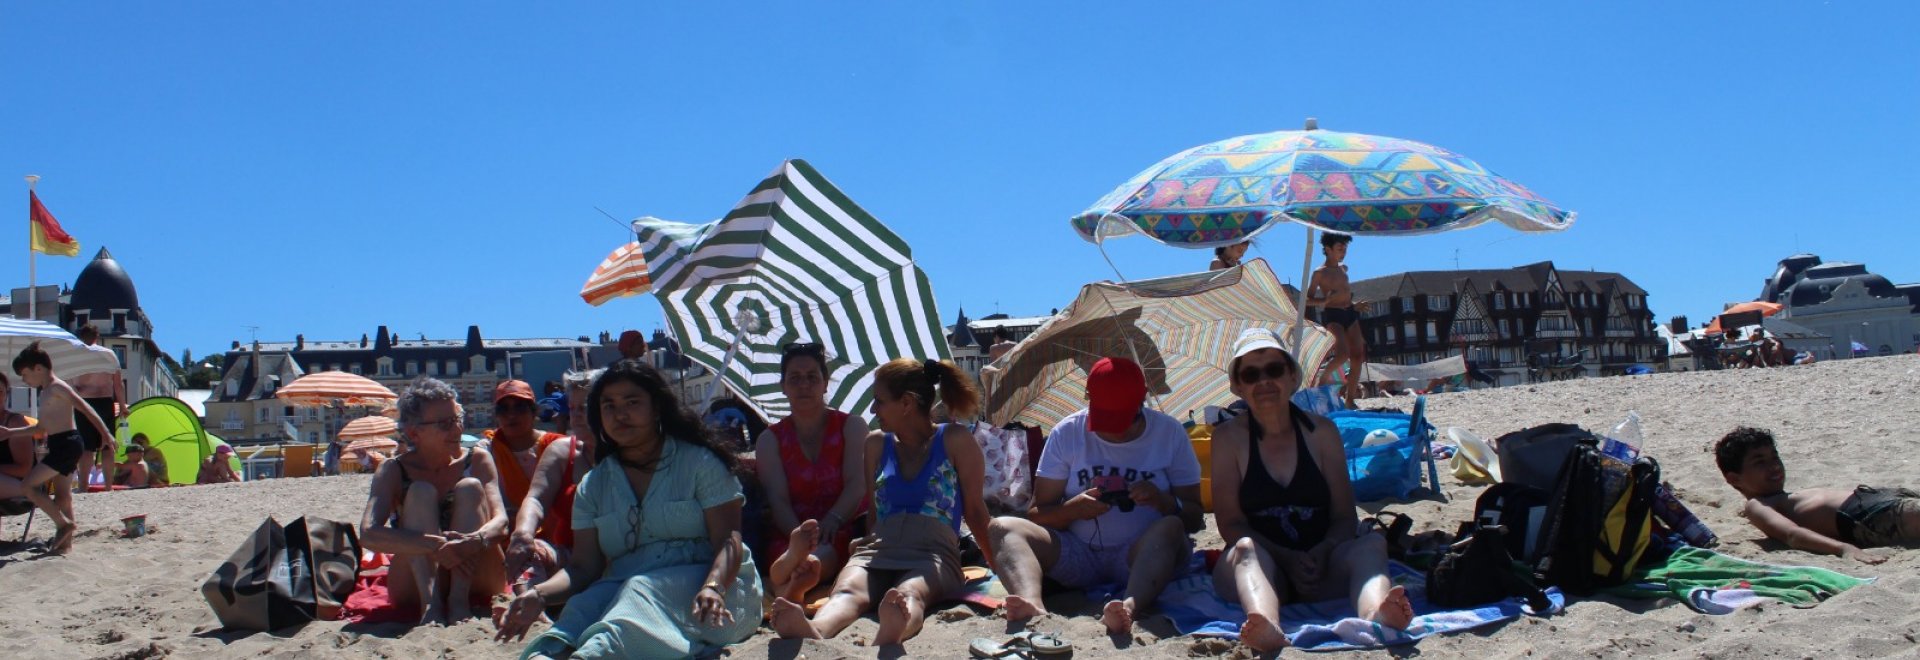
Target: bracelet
x,y
715,586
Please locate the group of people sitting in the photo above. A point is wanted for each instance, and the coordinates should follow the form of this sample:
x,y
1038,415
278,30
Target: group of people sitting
x,y
630,526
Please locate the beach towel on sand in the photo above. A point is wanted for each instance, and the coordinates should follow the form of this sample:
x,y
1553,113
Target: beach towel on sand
x,y
1332,625
1713,583
983,589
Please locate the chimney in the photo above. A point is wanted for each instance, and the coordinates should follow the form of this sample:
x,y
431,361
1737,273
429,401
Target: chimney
x,y
254,364
363,340
236,345
474,344
382,341
1678,325
299,342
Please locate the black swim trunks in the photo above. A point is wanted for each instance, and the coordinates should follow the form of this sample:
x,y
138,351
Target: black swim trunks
x,y
63,452
1876,517
102,405
1344,316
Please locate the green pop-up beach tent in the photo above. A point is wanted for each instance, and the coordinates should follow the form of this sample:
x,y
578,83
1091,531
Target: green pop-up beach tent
x,y
173,430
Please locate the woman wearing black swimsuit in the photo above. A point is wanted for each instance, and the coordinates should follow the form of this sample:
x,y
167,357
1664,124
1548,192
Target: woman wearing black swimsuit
x,y
1285,507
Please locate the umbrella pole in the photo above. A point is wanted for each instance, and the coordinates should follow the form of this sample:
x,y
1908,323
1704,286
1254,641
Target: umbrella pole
x,y
726,363
1300,310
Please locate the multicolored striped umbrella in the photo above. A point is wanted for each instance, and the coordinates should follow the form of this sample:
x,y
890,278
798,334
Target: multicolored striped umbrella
x,y
329,387
796,261
621,274
374,427
1226,192
1179,329
71,357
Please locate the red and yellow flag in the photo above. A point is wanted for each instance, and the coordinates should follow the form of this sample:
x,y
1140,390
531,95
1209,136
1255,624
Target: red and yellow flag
x,y
48,237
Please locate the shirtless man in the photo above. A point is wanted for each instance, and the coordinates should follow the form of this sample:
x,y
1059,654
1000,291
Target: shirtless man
x,y
58,404
1830,521
1333,294
1228,256
106,394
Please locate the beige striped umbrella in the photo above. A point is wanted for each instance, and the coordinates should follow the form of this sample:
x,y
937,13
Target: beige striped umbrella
x,y
329,387
368,428
1179,329
621,274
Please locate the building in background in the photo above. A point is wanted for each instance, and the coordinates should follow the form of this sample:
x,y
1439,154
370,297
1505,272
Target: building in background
x,y
1496,319
1847,304
104,297
970,340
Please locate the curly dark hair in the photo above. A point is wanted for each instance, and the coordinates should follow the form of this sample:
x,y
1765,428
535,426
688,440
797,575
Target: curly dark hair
x,y
1331,239
676,420
1731,451
30,357
810,350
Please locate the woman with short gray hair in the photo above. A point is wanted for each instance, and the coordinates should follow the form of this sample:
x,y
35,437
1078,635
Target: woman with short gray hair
x,y
542,538
436,508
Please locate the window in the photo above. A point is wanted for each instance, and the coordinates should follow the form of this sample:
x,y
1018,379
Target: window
x,y
1406,305
263,414
355,368
1406,330
1499,301
120,353
1439,303
453,367
1390,336
1586,327
1432,335
433,368
385,367
313,437
413,368
479,364
81,318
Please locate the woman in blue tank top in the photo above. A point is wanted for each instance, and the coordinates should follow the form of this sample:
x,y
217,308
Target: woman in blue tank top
x,y
927,480
1284,505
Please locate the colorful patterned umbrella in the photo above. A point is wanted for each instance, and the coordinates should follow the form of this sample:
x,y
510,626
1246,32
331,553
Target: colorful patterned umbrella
x,y
621,274
328,387
1229,191
796,261
1179,329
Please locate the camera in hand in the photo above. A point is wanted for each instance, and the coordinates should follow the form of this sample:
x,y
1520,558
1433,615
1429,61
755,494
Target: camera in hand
x,y
1120,499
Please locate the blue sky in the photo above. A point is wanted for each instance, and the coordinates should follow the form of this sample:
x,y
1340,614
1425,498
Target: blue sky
x,y
327,168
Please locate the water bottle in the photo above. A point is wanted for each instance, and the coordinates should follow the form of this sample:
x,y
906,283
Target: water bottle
x,y
1679,518
1623,442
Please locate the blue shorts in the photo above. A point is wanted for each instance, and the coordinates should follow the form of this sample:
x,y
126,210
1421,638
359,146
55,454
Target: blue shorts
x,y
1082,565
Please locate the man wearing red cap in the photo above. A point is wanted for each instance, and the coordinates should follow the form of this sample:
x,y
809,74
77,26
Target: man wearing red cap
x,y
514,442
1115,496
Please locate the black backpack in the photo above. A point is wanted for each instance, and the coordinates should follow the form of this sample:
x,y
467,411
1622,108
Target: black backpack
x,y
1477,570
1522,510
1600,522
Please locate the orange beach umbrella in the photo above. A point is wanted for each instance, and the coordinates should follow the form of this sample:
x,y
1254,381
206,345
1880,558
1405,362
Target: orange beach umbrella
x,y
1763,307
327,387
623,273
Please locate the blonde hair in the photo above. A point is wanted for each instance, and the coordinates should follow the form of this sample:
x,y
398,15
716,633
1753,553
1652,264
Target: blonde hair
x,y
920,377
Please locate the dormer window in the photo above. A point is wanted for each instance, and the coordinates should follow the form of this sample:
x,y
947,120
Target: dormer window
x,y
120,321
81,318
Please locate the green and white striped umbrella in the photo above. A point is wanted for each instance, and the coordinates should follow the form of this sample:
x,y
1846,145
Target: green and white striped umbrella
x,y
796,261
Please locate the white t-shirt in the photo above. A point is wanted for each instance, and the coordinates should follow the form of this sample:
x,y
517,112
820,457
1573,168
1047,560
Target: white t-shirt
x,y
1162,455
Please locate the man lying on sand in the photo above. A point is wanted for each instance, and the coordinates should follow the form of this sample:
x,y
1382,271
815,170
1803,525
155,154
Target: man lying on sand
x,y
1832,521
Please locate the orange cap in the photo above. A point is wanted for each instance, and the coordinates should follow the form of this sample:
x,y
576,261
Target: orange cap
x,y
512,389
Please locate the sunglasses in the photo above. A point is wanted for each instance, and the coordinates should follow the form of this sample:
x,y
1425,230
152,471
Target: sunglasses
x,y
1273,371
513,407
804,347
446,425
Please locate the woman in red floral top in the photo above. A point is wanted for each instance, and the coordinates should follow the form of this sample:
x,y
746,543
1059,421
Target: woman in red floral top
x,y
810,466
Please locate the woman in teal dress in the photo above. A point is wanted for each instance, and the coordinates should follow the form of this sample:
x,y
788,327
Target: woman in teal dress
x,y
658,569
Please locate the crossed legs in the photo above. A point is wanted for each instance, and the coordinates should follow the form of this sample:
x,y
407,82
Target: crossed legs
x,y
798,570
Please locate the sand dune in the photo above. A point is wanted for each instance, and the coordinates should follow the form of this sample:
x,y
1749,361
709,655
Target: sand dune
x,y
1839,423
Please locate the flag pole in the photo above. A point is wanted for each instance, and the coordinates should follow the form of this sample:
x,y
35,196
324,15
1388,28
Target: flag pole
x,y
32,296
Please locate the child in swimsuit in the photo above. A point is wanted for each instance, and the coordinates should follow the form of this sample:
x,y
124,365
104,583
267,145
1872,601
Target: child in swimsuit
x,y
59,404
1832,521
1331,291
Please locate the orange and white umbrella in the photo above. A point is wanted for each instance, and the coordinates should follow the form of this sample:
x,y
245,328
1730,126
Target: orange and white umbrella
x,y
372,444
367,428
327,387
621,274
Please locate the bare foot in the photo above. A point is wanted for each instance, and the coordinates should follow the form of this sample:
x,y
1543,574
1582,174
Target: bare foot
x,y
803,579
62,539
789,620
800,545
436,615
1262,635
1396,611
1021,609
899,614
1118,616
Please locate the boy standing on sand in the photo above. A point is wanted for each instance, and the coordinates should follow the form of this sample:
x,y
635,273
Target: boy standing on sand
x,y
1830,521
1331,291
58,404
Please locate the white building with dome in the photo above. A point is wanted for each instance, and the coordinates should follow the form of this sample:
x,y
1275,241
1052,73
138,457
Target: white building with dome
x,y
1847,303
104,296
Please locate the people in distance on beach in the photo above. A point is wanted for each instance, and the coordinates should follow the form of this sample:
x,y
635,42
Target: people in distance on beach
x,y
16,449
156,461
813,471
1228,256
106,393
1330,290
927,480
542,539
133,472
1285,507
59,404
218,468
658,569
1850,523
517,446
437,510
1116,495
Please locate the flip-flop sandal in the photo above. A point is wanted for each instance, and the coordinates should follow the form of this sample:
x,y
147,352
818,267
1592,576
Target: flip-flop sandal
x,y
1026,644
1048,644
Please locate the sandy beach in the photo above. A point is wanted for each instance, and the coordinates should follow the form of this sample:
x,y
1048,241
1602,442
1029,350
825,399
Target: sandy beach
x,y
1839,424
